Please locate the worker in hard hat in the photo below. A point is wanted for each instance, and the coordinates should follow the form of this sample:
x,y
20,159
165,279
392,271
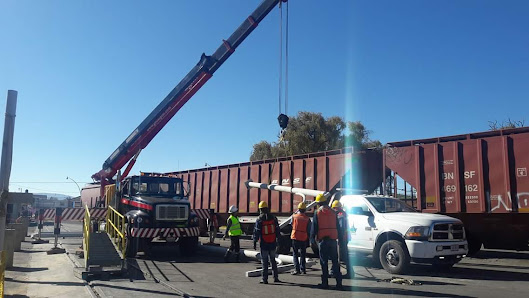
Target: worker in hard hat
x,y
266,231
233,229
300,236
343,239
324,232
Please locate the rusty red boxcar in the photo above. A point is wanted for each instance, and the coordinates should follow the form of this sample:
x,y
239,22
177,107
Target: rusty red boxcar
x,y
221,186
480,178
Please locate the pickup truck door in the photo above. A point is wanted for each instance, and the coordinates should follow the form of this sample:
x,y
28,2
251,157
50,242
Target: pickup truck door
x,y
361,226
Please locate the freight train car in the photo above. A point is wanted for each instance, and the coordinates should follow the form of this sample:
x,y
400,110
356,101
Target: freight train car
x,y
222,186
480,178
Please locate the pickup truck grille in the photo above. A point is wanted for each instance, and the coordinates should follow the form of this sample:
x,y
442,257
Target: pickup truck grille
x,y
171,212
447,232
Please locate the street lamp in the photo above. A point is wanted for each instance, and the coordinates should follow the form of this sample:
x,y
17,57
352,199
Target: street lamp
x,y
75,184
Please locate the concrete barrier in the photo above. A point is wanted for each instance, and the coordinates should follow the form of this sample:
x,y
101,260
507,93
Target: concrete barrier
x,y
20,234
9,246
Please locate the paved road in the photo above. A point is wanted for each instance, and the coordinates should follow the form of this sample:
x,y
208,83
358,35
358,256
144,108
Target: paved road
x,y
165,272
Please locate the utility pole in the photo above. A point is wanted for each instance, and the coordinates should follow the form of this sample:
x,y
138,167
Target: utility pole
x,y
7,154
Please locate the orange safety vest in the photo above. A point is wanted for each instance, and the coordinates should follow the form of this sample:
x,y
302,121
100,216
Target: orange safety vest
x,y
268,230
299,227
327,223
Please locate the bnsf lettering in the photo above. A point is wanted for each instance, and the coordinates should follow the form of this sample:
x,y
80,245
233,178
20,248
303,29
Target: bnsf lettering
x,y
297,180
447,176
470,174
285,182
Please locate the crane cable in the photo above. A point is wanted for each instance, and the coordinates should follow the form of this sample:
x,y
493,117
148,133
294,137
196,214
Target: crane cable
x,y
283,69
283,93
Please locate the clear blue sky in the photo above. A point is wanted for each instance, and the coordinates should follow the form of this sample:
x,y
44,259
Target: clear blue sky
x,y
88,72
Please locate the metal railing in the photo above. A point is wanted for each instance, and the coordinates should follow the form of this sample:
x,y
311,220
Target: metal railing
x,y
86,235
115,228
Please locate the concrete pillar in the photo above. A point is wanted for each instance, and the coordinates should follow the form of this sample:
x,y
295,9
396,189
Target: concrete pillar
x,y
9,246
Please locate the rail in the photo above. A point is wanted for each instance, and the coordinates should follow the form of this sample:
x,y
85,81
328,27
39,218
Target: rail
x,y
2,271
86,236
115,228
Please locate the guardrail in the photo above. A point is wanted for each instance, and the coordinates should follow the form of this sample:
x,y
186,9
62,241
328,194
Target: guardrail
x,y
86,236
115,227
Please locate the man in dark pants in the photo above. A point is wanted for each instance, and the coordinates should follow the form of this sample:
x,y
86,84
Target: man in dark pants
x,y
343,238
325,231
267,232
233,228
299,236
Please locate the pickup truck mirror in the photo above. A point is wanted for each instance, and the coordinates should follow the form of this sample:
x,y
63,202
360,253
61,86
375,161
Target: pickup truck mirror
x,y
360,211
357,210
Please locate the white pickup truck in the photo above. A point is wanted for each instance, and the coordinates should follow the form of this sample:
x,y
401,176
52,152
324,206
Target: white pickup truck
x,y
396,234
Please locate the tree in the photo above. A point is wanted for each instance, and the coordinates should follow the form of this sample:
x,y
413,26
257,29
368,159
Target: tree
x,y
494,125
310,132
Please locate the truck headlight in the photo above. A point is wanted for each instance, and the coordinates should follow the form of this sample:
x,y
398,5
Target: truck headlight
x,y
418,233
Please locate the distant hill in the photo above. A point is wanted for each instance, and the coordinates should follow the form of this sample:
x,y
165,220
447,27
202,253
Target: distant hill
x,y
54,195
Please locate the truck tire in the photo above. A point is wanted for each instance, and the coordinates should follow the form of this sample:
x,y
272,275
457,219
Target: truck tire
x,y
474,246
394,256
284,245
188,246
131,247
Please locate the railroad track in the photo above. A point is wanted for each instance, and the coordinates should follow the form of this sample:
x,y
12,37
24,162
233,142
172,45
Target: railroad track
x,y
162,272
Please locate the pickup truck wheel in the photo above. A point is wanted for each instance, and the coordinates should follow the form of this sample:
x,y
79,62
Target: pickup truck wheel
x,y
188,246
394,256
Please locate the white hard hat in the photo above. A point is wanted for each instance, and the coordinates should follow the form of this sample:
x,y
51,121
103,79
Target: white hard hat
x,y
233,209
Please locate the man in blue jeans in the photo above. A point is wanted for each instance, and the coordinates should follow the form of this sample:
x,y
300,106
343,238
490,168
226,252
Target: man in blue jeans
x,y
325,230
267,232
300,235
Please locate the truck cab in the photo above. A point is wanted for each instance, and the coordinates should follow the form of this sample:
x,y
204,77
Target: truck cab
x,y
396,234
156,208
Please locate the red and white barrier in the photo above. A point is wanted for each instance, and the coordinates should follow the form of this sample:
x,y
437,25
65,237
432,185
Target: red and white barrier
x,y
75,214
100,213
154,232
202,213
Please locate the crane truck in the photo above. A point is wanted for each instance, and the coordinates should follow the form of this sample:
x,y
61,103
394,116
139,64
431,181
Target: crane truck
x,y
156,206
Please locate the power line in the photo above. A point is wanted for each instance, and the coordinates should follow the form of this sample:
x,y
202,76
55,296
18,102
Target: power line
x,y
48,182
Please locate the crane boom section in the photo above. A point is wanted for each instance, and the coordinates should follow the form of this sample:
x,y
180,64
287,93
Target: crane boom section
x,y
188,86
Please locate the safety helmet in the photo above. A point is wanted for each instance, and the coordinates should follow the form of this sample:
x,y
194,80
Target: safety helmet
x,y
233,209
263,204
336,204
302,206
320,198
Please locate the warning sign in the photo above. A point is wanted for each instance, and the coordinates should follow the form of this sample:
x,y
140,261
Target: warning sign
x,y
521,172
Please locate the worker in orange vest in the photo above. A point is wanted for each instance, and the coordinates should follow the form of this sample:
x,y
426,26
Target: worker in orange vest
x,y
266,231
325,232
300,236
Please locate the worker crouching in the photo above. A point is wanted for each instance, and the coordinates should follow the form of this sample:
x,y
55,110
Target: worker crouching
x,y
266,231
233,229
300,237
325,231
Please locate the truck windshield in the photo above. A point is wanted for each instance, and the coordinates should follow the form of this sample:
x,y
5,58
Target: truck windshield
x,y
170,187
388,205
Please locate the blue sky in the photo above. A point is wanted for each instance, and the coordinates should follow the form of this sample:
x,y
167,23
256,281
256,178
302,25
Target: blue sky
x,y
88,72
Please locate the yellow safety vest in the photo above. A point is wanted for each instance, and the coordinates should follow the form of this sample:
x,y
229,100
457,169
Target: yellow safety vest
x,y
235,228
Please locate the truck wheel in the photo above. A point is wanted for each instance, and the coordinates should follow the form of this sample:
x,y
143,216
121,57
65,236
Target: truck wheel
x,y
284,245
474,246
394,256
188,246
131,247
